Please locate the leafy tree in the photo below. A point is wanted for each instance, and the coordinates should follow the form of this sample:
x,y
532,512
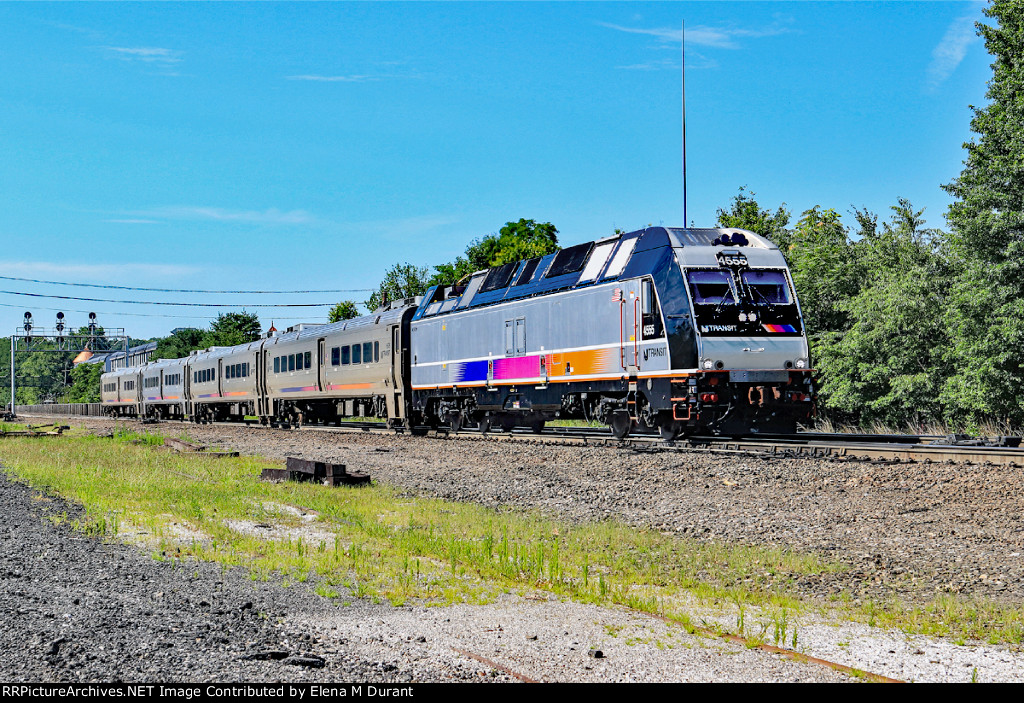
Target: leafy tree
x,y
515,241
450,274
887,363
40,375
232,328
85,384
825,270
179,344
745,213
986,309
345,310
401,281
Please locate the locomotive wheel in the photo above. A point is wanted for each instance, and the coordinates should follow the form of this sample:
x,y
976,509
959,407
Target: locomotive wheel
x,y
508,423
620,424
670,432
484,424
537,426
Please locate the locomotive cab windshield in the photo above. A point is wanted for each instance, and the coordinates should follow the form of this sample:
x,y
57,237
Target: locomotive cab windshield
x,y
767,287
743,301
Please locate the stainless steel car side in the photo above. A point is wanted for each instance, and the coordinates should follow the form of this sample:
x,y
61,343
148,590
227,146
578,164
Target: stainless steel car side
x,y
163,392
121,392
318,373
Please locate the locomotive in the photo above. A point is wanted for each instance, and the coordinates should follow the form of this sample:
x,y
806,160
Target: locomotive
x,y
669,330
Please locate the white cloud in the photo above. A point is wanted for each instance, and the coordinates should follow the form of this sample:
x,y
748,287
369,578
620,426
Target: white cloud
x,y
702,35
949,52
693,60
334,79
271,216
388,229
147,54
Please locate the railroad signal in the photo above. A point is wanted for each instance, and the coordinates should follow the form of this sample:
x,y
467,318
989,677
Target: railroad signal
x,y
60,324
28,327
92,323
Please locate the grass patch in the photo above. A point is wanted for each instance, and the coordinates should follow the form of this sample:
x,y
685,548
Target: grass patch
x,y
575,423
378,542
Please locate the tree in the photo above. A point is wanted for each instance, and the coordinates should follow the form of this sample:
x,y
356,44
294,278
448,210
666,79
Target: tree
x,y
824,269
887,363
231,329
745,213
401,281
986,309
41,375
179,344
85,384
345,310
515,241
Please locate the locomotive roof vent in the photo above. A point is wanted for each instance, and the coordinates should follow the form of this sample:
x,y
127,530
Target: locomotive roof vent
x,y
734,239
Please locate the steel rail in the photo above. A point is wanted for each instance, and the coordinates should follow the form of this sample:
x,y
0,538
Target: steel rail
x,y
804,445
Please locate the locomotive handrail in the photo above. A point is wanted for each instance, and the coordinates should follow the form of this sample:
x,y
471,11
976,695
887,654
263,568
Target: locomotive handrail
x,y
636,333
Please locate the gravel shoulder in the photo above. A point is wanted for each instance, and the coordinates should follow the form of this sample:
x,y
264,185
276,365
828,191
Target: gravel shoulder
x,y
77,609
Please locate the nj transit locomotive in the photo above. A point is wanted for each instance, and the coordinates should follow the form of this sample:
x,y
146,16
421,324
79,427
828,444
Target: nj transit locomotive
x,y
675,330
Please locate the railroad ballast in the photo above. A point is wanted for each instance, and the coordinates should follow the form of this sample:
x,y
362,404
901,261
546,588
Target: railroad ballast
x,y
674,330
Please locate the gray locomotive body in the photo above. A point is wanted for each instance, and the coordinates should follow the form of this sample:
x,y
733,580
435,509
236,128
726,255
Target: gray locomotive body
x,y
694,330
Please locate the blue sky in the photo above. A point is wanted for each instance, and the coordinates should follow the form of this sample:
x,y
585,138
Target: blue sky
x,y
311,146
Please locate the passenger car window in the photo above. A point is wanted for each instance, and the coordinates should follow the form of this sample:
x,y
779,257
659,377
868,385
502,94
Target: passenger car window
x,y
357,356
367,352
346,355
335,356
308,360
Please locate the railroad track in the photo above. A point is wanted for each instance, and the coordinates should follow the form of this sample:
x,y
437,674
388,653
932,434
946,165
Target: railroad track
x,y
815,445
872,448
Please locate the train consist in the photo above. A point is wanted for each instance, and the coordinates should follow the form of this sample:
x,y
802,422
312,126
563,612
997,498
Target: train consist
x,y
679,331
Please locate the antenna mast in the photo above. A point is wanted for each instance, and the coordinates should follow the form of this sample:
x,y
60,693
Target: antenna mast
x,y
683,37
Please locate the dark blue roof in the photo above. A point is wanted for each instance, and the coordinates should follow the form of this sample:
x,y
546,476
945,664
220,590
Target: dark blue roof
x,y
539,281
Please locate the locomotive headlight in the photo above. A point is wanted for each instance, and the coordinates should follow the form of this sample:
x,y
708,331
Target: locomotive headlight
x,y
743,317
753,316
708,364
801,363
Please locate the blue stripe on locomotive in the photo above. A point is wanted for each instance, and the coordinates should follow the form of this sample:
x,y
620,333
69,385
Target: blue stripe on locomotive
x,y
469,371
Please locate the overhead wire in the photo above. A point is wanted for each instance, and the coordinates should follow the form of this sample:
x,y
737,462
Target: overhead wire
x,y
190,290
140,314
163,302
